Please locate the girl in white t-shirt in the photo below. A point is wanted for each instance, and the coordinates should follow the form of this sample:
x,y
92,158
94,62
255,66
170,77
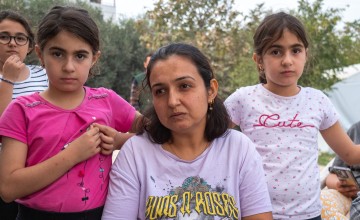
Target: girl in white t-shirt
x,y
283,119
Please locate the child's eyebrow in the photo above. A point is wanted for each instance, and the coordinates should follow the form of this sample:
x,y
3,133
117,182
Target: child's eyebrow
x,y
280,46
62,50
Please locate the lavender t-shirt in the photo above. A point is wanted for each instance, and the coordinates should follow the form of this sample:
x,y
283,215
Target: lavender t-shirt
x,y
226,180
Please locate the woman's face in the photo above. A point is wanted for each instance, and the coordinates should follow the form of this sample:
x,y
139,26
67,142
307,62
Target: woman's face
x,y
180,97
12,28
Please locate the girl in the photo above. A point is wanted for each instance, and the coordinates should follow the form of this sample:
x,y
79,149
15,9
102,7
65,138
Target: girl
x,y
188,165
283,119
56,156
16,78
16,42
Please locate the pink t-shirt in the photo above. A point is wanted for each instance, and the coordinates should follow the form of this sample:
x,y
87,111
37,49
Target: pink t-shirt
x,y
285,131
46,129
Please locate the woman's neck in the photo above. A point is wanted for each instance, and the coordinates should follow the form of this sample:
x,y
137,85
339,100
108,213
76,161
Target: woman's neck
x,y
187,148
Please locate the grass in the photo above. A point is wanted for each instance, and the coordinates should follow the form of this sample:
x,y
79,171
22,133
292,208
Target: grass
x,y
324,158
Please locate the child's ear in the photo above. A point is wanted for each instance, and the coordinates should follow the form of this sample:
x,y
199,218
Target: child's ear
x,y
96,57
256,58
40,55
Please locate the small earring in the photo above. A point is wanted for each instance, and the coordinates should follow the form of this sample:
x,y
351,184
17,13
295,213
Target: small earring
x,y
211,105
261,68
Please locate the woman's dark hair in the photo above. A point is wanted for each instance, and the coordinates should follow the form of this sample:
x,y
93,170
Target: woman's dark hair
x,y
16,17
217,121
74,20
271,29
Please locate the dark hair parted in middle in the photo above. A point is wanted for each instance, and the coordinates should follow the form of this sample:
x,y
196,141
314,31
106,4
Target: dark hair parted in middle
x,y
217,121
271,29
74,20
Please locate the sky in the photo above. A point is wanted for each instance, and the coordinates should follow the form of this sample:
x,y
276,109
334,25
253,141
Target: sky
x,y
131,8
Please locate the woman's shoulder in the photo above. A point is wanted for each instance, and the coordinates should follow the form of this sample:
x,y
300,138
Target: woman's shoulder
x,y
140,146
235,136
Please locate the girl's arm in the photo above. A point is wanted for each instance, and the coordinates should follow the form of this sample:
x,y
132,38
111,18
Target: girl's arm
x,y
17,180
113,140
340,142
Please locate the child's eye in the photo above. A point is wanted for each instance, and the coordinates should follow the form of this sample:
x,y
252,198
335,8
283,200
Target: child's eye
x,y
275,52
56,54
80,56
297,50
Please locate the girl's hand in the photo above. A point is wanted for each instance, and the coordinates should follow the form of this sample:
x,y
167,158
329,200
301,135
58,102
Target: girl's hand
x,y
12,68
107,136
87,145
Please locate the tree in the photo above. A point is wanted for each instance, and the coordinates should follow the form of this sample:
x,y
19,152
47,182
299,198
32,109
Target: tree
x,y
121,50
225,36
206,24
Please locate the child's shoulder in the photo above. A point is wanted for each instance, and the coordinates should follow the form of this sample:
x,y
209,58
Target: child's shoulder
x,y
30,100
99,92
312,91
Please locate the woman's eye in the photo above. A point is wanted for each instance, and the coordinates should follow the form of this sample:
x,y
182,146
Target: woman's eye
x,y
185,86
159,91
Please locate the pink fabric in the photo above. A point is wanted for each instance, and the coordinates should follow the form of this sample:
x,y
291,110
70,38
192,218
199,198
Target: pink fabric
x,y
46,128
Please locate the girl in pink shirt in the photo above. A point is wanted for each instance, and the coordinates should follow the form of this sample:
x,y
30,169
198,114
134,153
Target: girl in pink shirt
x,y
57,144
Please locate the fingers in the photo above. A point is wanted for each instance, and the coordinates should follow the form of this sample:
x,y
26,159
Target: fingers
x,y
108,131
107,144
12,67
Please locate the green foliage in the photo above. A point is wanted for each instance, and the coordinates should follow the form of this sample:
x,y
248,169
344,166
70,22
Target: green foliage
x,y
208,25
225,35
325,158
122,53
222,33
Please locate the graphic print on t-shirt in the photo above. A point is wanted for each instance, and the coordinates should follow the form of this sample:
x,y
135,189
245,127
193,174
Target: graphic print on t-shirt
x,y
194,199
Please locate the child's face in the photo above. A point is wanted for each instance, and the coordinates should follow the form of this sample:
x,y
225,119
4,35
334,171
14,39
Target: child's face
x,y
12,28
284,62
67,60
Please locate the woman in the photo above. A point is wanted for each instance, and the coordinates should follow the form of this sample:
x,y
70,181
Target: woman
x,y
187,163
